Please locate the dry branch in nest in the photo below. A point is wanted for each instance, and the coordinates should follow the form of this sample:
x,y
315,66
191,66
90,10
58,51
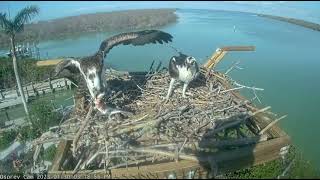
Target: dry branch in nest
x,y
209,119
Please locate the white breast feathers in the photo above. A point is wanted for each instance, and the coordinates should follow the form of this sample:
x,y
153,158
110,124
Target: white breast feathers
x,y
185,75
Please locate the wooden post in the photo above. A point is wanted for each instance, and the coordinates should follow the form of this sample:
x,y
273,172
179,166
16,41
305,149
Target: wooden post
x,y
18,94
70,85
7,115
62,151
2,95
27,91
2,121
50,85
74,100
66,83
34,90
38,53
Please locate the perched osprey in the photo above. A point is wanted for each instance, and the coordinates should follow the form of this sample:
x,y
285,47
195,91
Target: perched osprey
x,y
92,68
183,68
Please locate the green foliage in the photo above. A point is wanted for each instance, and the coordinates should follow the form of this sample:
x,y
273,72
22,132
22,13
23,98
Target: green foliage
x,y
28,133
298,22
6,138
42,116
97,22
300,168
28,70
24,16
16,25
269,170
27,163
49,153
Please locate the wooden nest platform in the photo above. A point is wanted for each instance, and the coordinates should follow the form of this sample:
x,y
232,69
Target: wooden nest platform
x,y
212,131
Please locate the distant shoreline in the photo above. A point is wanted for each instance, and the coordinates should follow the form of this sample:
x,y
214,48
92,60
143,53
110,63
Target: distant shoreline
x,y
299,22
124,20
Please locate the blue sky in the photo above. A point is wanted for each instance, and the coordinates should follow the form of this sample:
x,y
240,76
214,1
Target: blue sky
x,y
307,10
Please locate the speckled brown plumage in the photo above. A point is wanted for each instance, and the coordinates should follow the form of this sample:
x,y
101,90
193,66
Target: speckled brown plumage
x,y
91,68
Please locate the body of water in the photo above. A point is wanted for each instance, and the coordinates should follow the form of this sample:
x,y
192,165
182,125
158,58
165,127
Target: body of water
x,y
285,63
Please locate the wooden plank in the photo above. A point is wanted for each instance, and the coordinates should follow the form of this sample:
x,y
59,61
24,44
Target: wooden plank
x,y
271,124
238,48
217,60
227,161
221,52
50,62
161,170
216,57
62,150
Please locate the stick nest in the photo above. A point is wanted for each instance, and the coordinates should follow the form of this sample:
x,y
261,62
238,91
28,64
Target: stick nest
x,y
156,131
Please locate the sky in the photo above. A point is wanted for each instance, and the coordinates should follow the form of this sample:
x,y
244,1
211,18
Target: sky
x,y
306,10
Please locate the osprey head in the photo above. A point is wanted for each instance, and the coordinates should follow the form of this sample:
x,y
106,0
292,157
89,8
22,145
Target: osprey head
x,y
92,70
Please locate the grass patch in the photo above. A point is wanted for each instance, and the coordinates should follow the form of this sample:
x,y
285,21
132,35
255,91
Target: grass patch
x,y
301,168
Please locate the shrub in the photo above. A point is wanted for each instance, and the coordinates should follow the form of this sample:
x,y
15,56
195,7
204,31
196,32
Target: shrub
x,y
6,138
301,168
28,133
42,115
49,153
29,72
42,118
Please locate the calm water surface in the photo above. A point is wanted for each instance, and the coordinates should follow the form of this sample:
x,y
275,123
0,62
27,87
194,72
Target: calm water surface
x,y
286,62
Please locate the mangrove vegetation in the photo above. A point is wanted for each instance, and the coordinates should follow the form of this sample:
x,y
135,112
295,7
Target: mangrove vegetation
x,y
97,22
298,22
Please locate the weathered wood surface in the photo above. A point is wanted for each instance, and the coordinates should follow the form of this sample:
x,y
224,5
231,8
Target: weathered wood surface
x,y
181,169
221,52
226,161
238,48
63,148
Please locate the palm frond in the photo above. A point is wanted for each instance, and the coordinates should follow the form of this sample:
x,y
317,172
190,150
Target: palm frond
x,y
6,24
24,16
19,28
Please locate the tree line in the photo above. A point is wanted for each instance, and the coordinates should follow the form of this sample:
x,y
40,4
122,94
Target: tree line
x,y
27,68
97,22
298,22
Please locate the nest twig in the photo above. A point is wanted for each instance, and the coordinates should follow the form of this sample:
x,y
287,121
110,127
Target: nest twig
x,y
158,131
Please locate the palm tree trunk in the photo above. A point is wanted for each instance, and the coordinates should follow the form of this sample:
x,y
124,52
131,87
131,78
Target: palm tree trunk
x,y
15,68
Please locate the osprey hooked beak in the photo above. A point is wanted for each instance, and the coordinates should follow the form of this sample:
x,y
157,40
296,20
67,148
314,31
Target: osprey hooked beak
x,y
92,67
190,61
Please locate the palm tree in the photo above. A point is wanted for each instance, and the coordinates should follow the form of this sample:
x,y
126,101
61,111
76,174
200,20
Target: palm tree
x,y
11,27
